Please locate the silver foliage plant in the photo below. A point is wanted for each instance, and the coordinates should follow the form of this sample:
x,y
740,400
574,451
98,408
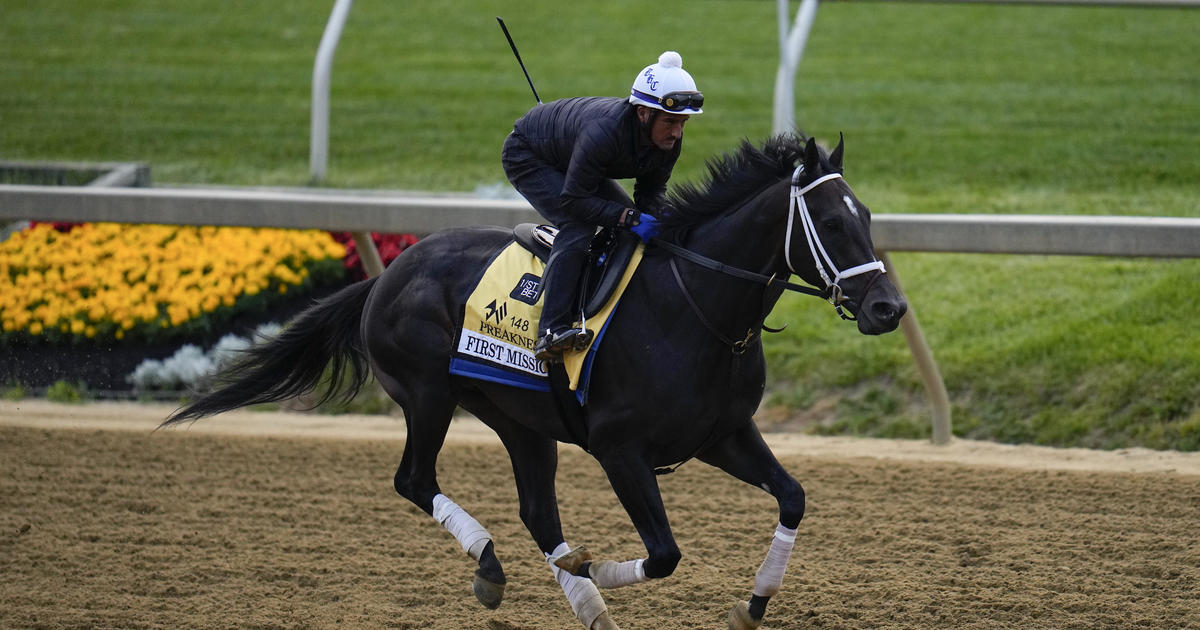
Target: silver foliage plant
x,y
190,366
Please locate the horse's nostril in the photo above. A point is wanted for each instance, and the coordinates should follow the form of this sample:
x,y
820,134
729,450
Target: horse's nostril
x,y
886,311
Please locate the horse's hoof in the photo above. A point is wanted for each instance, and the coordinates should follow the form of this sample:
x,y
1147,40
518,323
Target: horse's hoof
x,y
488,593
740,619
573,559
604,622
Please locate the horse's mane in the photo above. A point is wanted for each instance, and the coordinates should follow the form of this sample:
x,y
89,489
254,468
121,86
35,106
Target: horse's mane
x,y
732,179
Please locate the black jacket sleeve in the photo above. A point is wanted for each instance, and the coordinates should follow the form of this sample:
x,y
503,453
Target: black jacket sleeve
x,y
596,147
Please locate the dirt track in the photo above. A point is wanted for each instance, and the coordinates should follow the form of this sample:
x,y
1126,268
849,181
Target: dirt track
x,y
285,521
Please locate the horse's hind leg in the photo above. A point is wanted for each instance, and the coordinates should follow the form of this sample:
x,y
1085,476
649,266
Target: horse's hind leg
x,y
746,456
535,462
427,413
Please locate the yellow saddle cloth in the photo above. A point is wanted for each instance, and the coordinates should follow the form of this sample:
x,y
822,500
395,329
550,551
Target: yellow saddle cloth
x,y
500,324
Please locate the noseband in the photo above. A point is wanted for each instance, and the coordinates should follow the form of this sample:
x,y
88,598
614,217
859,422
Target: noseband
x,y
799,208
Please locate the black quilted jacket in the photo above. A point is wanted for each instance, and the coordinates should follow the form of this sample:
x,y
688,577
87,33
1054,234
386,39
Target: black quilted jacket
x,y
592,138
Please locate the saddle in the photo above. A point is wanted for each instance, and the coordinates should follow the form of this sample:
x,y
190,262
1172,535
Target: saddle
x,y
500,315
608,256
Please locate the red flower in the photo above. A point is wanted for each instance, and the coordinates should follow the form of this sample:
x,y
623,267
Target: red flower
x,y
61,226
389,246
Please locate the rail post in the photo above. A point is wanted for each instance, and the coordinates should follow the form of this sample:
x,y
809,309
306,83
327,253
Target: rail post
x,y
318,156
791,49
931,376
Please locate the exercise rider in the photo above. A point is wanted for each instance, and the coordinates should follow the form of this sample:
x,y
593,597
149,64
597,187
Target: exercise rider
x,y
564,157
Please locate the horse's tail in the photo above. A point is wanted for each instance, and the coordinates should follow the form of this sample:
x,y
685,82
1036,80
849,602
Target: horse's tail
x,y
293,363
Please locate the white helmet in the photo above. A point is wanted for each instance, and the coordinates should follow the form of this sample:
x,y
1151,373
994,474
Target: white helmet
x,y
667,86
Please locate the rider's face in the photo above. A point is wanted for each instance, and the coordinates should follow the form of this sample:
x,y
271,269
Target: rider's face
x,y
667,128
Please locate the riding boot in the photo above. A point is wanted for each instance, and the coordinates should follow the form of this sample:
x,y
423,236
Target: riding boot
x,y
556,329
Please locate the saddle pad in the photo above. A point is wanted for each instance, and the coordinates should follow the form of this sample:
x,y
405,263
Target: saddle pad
x,y
500,325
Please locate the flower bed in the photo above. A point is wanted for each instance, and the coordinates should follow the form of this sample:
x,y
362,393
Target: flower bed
x,y
106,282
90,303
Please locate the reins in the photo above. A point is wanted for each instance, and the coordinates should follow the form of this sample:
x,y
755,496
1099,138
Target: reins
x,y
737,272
737,346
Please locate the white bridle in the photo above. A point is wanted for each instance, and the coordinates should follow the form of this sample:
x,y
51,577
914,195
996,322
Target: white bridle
x,y
820,256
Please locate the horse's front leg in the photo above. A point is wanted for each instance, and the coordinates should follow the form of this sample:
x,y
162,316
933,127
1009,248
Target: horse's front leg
x,y
746,456
535,462
633,481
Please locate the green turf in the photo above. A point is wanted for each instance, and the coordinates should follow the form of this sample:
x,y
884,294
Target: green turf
x,y
945,108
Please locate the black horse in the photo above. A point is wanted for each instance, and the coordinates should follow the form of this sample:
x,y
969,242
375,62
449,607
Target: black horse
x,y
678,376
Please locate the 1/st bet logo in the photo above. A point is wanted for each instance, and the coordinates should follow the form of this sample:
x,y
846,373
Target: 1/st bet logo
x,y
528,289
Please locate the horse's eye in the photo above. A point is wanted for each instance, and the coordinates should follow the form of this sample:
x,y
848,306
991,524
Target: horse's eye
x,y
833,225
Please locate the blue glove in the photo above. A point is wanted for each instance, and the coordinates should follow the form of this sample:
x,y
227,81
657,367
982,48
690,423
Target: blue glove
x,y
647,228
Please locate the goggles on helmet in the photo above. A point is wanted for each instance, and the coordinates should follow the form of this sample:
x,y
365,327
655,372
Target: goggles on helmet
x,y
674,101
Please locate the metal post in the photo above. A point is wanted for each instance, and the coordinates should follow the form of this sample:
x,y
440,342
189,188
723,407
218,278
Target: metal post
x,y
318,156
322,68
935,387
791,49
367,253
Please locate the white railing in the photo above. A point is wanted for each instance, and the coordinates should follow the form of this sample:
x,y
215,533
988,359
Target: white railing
x,y
323,209
423,214
1089,235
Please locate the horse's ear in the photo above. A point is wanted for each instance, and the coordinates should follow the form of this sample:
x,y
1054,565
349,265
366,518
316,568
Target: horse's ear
x,y
835,158
812,157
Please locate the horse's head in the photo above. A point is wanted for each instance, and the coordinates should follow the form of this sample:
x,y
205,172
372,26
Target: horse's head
x,y
827,239
828,244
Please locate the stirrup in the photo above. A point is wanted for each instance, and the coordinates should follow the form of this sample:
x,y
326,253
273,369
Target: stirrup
x,y
583,338
551,345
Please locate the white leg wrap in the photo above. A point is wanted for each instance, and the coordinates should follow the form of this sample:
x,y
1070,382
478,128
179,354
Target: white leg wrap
x,y
469,533
609,574
770,574
585,600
